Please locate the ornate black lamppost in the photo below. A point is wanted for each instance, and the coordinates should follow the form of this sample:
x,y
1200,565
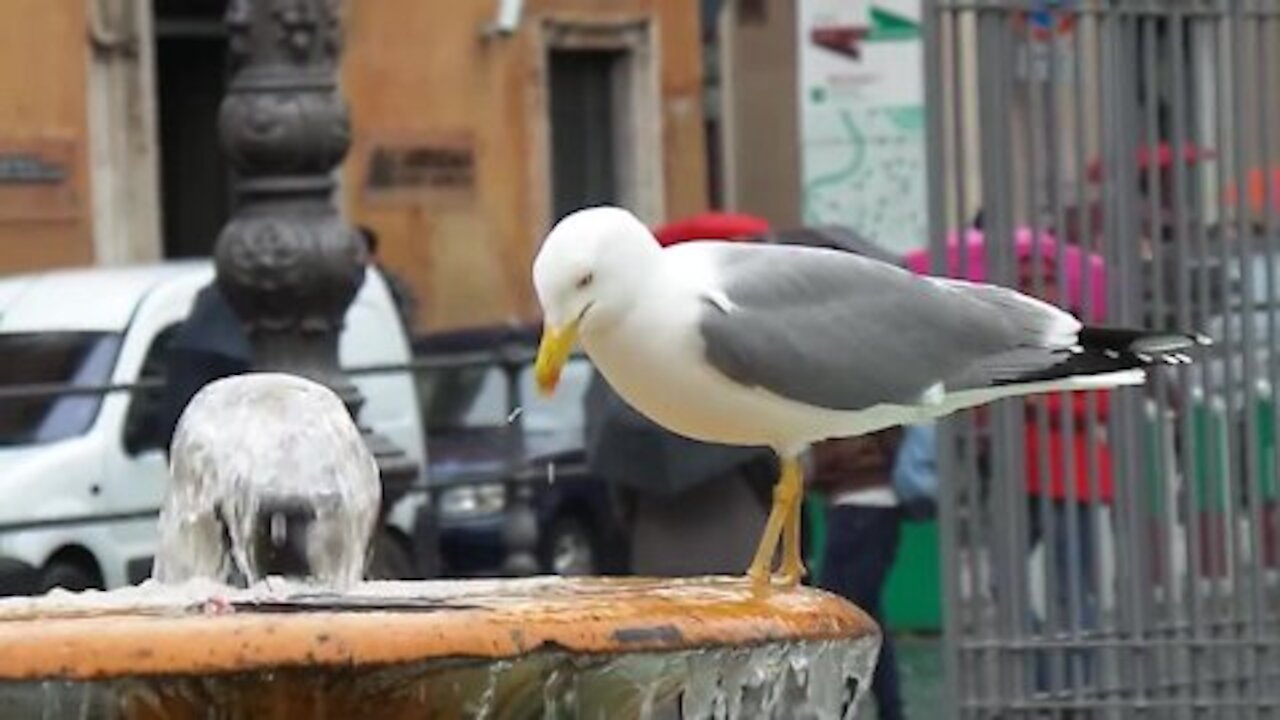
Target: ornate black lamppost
x,y
286,261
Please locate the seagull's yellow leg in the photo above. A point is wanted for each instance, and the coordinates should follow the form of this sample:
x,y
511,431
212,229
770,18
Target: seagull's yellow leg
x,y
792,569
786,495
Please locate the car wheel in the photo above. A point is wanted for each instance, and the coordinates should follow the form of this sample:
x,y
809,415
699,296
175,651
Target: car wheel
x,y
391,559
68,576
571,549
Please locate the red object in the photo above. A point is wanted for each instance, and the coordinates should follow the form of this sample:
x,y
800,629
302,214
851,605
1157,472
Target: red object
x,y
844,40
712,226
1257,190
1191,154
1080,443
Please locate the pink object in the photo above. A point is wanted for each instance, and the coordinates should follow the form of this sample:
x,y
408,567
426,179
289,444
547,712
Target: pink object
x,y
1047,250
1163,152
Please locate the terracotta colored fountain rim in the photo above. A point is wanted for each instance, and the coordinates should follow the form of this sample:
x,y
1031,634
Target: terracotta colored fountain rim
x,y
393,623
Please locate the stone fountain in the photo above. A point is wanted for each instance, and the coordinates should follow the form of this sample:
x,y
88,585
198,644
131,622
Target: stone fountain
x,y
258,608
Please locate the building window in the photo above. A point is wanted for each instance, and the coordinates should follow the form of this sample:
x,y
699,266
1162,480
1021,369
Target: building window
x,y
601,142
584,108
191,80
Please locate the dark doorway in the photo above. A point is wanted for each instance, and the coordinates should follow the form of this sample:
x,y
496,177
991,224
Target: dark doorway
x,y
584,114
191,77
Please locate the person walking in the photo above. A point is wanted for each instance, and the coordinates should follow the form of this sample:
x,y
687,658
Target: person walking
x,y
863,528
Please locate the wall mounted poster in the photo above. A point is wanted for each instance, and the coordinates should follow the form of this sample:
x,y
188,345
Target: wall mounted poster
x,y
862,118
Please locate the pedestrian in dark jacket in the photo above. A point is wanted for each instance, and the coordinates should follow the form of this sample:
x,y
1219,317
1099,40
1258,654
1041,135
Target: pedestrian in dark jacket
x,y
863,525
211,344
401,292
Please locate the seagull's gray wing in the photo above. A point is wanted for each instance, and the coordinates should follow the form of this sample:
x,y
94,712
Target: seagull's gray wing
x,y
846,332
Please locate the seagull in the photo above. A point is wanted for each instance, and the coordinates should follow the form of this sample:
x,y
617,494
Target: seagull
x,y
783,346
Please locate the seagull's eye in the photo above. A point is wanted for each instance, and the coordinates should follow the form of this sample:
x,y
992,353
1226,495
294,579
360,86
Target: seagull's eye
x,y
586,280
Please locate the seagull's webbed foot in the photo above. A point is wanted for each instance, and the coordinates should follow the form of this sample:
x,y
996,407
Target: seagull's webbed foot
x,y
783,517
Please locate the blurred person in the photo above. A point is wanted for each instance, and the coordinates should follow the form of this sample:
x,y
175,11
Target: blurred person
x,y
401,292
864,522
211,344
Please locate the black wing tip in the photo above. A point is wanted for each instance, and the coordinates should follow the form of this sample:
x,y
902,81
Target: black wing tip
x,y
1102,350
1145,346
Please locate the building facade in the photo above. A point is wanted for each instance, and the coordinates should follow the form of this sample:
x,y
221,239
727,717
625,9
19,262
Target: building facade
x,y
475,126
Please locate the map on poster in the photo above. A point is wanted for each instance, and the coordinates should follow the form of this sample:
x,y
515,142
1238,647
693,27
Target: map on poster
x,y
862,118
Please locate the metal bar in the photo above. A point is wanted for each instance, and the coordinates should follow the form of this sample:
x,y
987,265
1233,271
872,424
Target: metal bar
x,y
153,513
1150,510
33,391
72,520
994,85
1132,403
1126,8
1265,96
982,670
1121,707
1205,557
1046,671
1245,248
36,391
1076,667
953,614
1175,639
1147,509
1188,659
1091,245
1117,241
1009,414
1227,344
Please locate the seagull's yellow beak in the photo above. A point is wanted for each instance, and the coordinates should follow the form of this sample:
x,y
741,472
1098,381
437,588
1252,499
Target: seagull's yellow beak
x,y
553,352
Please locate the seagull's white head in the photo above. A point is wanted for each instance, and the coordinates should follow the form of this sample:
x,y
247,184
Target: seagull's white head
x,y
586,275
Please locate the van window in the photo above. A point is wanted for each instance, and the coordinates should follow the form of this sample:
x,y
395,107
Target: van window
x,y
72,359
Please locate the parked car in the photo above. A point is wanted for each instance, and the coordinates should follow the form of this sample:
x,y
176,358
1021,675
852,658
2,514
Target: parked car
x,y
488,430
94,464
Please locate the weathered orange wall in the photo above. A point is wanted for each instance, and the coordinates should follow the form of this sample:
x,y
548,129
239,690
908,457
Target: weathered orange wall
x,y
43,97
414,70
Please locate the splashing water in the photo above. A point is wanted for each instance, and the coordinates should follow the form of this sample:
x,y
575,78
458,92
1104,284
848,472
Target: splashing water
x,y
270,476
754,683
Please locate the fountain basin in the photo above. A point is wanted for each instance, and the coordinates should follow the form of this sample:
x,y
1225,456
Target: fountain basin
x,y
539,647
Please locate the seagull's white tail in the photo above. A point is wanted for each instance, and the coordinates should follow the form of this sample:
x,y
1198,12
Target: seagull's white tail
x,y
951,402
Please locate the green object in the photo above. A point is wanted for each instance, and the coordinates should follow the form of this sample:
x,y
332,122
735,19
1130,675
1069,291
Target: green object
x,y
1267,444
888,26
1154,475
815,530
1209,426
913,595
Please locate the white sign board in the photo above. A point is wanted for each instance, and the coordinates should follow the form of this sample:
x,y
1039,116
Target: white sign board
x,y
862,119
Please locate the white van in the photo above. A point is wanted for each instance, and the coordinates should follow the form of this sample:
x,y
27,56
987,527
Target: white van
x,y
70,458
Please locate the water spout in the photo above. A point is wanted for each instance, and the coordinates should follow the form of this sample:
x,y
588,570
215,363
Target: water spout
x,y
270,477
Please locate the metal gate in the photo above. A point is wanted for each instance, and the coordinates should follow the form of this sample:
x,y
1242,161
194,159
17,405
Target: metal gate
x,y
1115,554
